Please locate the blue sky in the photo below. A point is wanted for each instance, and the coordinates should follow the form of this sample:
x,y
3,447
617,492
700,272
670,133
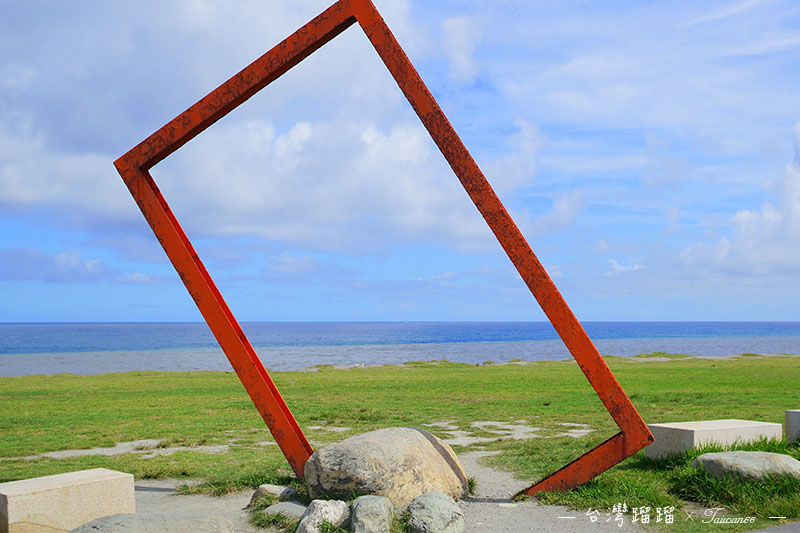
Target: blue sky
x,y
649,151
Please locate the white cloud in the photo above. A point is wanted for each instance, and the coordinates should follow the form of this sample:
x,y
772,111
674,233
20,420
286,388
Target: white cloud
x,y
68,266
768,44
33,174
442,276
616,268
138,277
726,11
673,214
332,185
330,157
129,246
554,271
646,74
342,163
30,264
567,207
459,39
287,263
762,241
584,163
16,77
516,167
664,167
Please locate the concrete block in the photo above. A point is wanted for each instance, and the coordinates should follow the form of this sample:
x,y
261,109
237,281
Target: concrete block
x,y
676,437
792,425
64,501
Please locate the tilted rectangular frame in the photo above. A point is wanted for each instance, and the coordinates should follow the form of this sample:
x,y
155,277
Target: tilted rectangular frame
x,y
134,168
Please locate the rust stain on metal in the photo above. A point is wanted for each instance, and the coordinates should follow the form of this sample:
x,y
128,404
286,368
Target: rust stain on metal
x,y
134,168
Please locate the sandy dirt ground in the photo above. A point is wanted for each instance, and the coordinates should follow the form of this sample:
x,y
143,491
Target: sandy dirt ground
x,y
159,508
489,510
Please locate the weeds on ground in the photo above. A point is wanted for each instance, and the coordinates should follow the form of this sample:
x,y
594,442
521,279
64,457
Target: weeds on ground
x,y
263,501
674,482
400,523
218,485
278,520
327,527
773,496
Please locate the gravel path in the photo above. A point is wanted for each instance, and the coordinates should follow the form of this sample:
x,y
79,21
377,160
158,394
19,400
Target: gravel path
x,y
158,508
492,510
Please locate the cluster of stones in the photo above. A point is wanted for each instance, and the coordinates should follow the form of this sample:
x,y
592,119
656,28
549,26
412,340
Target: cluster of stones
x,y
397,470
432,512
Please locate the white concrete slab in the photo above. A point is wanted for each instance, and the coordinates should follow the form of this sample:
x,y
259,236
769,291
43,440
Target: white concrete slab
x,y
792,424
676,437
64,501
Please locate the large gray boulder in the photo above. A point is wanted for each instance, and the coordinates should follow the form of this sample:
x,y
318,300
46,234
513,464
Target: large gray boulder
x,y
398,463
435,512
748,465
334,512
371,514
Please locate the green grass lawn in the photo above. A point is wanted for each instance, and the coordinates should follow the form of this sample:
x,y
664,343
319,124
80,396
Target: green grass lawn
x,y
48,413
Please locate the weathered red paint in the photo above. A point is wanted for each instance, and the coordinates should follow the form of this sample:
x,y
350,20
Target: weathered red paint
x,y
134,167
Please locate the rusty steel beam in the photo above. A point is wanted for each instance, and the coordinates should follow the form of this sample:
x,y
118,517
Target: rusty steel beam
x,y
134,167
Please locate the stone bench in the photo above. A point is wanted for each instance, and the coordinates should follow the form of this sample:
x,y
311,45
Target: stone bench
x,y
676,437
64,501
792,425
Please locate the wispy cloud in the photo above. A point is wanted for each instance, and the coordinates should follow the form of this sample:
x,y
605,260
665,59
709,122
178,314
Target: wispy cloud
x,y
30,264
762,241
459,39
140,278
768,44
616,268
565,209
728,10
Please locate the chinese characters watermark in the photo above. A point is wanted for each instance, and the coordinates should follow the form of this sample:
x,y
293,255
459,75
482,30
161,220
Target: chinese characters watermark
x,y
660,515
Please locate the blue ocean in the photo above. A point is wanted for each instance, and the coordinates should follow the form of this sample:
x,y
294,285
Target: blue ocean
x,y
100,348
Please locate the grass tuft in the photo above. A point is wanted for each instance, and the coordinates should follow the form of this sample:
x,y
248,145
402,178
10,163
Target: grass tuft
x,y
400,524
777,496
327,527
263,501
280,521
246,477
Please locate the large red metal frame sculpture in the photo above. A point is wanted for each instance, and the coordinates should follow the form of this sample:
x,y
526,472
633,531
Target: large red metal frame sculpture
x,y
134,168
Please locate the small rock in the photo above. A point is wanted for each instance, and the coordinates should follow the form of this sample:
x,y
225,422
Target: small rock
x,y
435,512
371,514
291,509
399,463
289,495
284,494
748,465
335,512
